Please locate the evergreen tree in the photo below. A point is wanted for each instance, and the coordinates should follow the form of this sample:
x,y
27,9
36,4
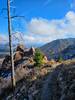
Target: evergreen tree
x,y
38,58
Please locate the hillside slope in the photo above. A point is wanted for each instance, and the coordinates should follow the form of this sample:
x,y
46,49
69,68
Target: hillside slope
x,y
60,84
57,47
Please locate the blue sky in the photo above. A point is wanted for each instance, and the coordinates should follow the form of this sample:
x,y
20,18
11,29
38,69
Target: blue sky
x,y
48,14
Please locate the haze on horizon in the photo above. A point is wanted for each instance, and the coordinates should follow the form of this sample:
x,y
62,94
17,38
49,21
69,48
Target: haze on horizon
x,y
45,20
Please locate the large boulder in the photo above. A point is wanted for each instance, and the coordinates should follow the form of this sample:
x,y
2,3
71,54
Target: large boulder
x,y
30,52
18,56
6,63
45,60
20,48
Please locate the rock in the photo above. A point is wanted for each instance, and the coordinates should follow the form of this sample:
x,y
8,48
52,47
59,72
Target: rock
x,y
21,72
43,71
30,52
45,60
18,56
20,48
34,78
6,63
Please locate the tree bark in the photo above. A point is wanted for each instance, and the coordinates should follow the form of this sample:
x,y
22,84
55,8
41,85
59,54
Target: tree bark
x,y
10,45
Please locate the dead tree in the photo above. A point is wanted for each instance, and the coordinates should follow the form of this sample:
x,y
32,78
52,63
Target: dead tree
x,y
10,45
9,17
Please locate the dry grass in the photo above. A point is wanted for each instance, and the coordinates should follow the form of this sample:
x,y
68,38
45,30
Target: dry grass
x,y
70,61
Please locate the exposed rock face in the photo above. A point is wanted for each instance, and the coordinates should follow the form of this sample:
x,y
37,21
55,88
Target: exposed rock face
x,y
20,48
6,62
18,55
45,60
30,52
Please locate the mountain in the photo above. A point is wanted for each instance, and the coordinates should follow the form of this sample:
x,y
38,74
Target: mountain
x,y
4,47
61,47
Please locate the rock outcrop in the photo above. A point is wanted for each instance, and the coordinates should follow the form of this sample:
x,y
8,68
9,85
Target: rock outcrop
x,y
20,54
6,63
30,52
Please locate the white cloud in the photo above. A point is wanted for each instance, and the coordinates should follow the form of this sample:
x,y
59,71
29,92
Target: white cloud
x,y
49,30
3,38
41,31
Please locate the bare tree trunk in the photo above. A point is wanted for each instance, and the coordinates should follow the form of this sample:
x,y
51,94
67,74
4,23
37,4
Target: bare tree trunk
x,y
10,45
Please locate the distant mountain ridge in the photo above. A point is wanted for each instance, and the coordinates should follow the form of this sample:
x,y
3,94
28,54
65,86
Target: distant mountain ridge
x,y
63,47
4,47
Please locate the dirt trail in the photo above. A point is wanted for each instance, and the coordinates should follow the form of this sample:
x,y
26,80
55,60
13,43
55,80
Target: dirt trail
x,y
50,86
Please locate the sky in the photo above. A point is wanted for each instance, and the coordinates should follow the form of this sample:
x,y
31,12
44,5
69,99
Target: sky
x,y
43,21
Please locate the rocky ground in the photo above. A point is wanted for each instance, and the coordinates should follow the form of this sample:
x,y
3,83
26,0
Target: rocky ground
x,y
60,84
29,83
51,81
54,81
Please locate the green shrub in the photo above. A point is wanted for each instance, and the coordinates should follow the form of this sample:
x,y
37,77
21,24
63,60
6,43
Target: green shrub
x,y
38,58
60,59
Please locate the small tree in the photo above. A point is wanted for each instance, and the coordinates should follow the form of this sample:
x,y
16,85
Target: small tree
x,y
60,59
38,57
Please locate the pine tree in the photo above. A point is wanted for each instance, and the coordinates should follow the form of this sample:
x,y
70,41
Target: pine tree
x,y
38,58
